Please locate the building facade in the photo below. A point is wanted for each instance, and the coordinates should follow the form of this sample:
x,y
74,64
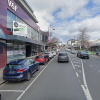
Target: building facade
x,y
19,32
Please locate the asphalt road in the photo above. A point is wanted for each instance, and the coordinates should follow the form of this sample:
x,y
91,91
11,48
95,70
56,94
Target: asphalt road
x,y
76,80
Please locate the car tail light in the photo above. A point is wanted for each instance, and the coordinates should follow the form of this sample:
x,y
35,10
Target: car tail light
x,y
4,71
67,56
21,70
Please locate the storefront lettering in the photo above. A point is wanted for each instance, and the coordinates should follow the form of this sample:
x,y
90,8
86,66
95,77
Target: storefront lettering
x,y
12,5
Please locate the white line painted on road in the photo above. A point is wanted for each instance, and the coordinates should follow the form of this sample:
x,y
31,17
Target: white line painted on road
x,y
77,65
34,80
77,74
91,66
72,63
85,87
86,90
11,90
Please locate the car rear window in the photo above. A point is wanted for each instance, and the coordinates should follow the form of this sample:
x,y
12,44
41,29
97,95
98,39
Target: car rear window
x,y
47,53
13,66
62,54
38,57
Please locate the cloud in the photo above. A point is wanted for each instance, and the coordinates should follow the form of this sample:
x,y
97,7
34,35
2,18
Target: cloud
x,y
67,16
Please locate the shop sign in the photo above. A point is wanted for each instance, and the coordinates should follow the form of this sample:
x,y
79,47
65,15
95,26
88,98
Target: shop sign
x,y
12,5
19,29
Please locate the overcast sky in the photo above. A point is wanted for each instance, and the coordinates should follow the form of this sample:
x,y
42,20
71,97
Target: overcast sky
x,y
68,16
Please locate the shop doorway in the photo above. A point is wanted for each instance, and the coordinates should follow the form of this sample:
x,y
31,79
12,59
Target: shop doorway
x,y
28,50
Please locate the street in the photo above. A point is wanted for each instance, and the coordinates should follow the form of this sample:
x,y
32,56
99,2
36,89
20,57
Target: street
x,y
76,80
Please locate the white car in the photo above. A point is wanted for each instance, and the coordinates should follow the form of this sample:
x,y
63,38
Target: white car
x,y
50,54
54,53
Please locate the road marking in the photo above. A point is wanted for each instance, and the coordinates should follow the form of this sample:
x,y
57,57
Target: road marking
x,y
77,74
34,80
75,62
91,66
77,65
85,87
99,71
86,90
11,90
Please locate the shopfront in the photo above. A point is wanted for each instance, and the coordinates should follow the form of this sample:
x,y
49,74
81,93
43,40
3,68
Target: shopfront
x,y
19,32
3,49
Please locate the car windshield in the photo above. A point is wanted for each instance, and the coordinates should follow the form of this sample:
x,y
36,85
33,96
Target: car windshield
x,y
38,57
62,54
84,52
13,66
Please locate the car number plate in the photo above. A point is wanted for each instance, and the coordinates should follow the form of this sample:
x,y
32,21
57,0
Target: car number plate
x,y
11,72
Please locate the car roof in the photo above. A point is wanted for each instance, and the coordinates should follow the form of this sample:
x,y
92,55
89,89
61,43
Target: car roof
x,y
19,61
40,55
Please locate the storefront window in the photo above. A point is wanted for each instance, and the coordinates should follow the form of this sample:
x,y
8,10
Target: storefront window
x,y
9,20
15,51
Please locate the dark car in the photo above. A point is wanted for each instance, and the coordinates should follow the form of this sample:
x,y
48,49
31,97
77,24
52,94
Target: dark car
x,y
83,54
42,59
20,70
63,56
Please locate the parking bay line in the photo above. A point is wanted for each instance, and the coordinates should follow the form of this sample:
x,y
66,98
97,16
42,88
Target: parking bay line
x,y
11,90
34,79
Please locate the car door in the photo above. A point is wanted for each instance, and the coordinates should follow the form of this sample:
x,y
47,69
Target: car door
x,y
28,65
33,65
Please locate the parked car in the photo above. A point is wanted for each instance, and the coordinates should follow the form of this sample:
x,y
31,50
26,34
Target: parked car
x,y
21,69
63,56
98,53
42,59
82,54
50,54
54,53
73,52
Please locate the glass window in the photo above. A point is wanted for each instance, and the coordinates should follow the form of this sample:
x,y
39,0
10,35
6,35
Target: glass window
x,y
9,21
13,19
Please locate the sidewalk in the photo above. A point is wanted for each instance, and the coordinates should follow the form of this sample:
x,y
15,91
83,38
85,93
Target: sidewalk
x,y
1,79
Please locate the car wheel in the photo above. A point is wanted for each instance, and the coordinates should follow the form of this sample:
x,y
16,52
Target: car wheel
x,y
44,63
87,57
28,77
38,68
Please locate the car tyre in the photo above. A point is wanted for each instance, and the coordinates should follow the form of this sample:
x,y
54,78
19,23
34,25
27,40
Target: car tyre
x,y
28,77
38,68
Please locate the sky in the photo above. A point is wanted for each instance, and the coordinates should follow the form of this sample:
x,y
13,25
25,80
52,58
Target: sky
x,y
67,17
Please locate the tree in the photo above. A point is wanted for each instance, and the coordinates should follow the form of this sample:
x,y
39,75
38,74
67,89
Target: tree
x,y
83,37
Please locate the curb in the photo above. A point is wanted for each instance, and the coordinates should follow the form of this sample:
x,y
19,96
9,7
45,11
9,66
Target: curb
x,y
3,82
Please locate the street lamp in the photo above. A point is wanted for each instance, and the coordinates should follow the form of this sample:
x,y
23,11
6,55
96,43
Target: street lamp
x,y
49,35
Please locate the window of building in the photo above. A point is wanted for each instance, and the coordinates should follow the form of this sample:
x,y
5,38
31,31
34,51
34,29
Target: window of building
x,y
30,31
9,20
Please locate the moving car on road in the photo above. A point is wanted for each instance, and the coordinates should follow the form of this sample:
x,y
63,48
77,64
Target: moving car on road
x,y
21,69
63,56
73,52
42,59
82,54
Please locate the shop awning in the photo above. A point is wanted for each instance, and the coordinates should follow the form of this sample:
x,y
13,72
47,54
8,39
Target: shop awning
x,y
23,39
